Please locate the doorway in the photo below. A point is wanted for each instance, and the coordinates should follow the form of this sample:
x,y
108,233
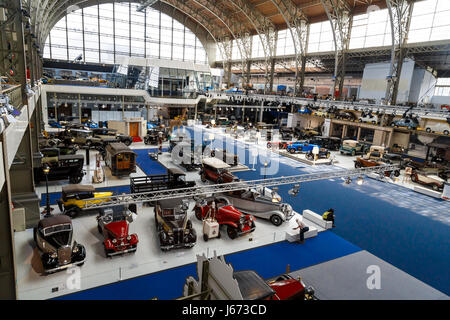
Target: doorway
x,y
134,129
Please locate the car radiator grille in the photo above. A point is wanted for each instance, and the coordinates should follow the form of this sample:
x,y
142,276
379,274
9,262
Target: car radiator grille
x,y
64,255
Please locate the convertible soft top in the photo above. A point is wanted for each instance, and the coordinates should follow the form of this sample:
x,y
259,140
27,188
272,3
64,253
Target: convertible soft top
x,y
216,163
76,188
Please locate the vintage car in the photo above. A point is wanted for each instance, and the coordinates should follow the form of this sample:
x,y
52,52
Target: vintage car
x,y
216,170
114,224
278,145
321,113
376,157
120,159
405,122
74,196
353,147
345,115
107,134
284,287
174,179
54,239
262,203
368,117
286,133
225,156
397,149
300,146
61,167
173,226
79,137
331,143
304,110
90,124
238,223
428,178
324,153
305,133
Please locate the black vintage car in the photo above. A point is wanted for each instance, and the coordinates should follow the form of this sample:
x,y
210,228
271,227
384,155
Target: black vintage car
x,y
61,167
323,154
54,239
331,143
173,226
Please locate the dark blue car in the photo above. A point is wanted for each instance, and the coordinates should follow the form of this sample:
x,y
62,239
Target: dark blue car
x,y
300,146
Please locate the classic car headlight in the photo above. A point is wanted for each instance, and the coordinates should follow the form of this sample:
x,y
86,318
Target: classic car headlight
x,y
75,250
114,240
129,238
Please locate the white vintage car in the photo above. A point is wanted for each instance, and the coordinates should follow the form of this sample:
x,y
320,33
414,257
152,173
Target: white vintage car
x,y
262,203
368,118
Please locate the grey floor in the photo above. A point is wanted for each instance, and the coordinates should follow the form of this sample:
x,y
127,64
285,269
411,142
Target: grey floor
x,y
346,279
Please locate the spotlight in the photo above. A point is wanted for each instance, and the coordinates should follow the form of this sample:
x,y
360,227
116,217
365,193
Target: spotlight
x,y
294,191
360,181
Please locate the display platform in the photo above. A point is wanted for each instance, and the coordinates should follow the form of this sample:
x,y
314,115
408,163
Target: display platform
x,y
302,158
347,278
99,270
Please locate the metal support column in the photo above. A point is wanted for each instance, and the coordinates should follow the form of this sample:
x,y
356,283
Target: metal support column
x,y
269,41
297,23
226,48
245,42
339,14
400,12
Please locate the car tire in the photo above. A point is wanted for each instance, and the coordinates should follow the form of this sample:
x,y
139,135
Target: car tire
x,y
127,142
219,180
232,232
198,213
357,165
396,173
73,212
428,130
353,153
269,145
435,187
203,177
292,150
76,178
276,220
205,237
446,132
414,178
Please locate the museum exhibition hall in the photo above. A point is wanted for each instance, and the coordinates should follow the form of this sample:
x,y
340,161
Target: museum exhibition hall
x,y
224,150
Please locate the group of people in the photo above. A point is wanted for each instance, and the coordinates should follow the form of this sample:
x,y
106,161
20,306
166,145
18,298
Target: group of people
x,y
327,216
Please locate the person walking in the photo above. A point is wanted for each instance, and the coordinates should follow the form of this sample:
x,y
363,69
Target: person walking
x,y
303,228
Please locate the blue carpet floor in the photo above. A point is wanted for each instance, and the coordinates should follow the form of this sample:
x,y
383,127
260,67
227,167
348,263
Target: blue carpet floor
x,y
407,229
268,261
148,165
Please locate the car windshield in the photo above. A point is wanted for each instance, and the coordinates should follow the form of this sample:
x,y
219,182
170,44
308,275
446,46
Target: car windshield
x,y
59,235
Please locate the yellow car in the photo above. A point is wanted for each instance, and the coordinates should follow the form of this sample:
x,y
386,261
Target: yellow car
x,y
74,198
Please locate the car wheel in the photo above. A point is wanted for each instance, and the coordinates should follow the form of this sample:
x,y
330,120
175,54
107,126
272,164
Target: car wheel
x,y
276,220
198,213
428,130
269,145
446,132
203,177
357,165
232,232
292,150
76,178
73,212
435,187
396,173
219,180
127,142
414,178
205,237
146,140
309,156
353,153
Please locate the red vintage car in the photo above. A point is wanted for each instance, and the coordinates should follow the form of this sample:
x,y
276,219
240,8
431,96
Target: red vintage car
x,y
237,222
113,223
216,170
278,145
284,287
